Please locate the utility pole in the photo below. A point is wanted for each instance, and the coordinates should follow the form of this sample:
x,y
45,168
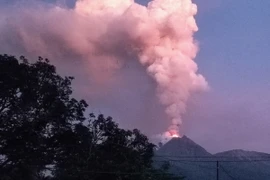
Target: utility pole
x,y
217,170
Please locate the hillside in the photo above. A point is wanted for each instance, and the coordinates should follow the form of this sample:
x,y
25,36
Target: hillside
x,y
193,161
251,165
182,147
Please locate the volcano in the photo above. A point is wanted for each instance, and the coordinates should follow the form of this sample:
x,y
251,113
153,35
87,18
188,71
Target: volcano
x,y
188,159
182,147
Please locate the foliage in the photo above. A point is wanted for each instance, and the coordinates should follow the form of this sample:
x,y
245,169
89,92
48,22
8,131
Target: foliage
x,y
44,131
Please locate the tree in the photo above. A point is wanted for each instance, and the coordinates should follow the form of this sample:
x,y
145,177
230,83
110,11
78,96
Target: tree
x,y
104,151
35,105
99,149
43,129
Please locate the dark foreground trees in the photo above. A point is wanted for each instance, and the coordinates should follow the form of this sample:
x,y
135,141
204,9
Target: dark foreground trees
x,y
44,133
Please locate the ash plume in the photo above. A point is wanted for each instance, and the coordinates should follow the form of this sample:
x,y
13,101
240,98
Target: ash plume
x,y
106,34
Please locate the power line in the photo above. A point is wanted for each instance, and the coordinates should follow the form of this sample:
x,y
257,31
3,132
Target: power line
x,y
227,173
121,173
210,157
198,165
213,160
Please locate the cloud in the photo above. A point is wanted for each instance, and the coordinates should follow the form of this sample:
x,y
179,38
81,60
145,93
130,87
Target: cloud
x,y
113,47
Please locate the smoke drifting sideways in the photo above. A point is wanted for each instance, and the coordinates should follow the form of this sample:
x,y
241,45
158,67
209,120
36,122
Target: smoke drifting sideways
x,y
105,34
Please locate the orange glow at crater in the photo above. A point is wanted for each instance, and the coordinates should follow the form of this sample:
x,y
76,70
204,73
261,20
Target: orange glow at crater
x,y
175,136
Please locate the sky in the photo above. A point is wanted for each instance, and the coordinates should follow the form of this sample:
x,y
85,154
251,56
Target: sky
x,y
234,57
234,43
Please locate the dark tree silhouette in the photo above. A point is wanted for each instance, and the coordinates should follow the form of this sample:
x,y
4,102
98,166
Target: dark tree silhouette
x,y
44,133
104,151
35,105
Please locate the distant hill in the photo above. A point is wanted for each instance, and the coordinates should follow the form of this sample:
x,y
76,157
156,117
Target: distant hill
x,y
192,161
241,154
251,165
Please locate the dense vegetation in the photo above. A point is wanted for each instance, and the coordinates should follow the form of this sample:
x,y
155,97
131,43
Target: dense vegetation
x,y
45,134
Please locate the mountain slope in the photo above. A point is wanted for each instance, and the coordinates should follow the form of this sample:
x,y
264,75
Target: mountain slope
x,y
193,161
249,165
242,154
181,153
182,147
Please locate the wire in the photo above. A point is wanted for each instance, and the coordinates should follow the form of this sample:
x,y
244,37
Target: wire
x,y
122,173
226,172
213,160
210,157
198,165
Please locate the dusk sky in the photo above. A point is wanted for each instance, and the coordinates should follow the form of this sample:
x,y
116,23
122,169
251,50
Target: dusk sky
x,y
234,57
234,38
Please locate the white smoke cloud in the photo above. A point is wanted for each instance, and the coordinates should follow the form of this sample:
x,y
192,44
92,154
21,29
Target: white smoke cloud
x,y
108,33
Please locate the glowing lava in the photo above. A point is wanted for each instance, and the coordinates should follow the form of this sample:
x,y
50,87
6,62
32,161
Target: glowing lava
x,y
175,136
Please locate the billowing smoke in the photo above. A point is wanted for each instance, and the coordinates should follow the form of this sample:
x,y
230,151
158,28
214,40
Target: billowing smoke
x,y
108,33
